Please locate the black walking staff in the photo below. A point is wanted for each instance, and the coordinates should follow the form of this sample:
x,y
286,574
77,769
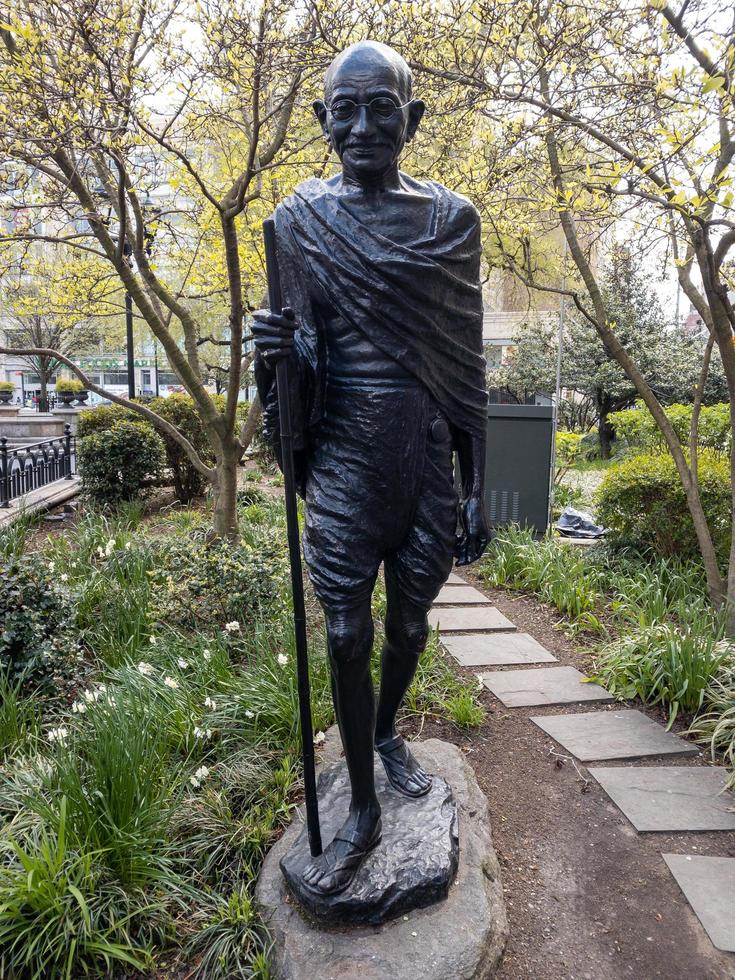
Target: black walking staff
x,y
275,303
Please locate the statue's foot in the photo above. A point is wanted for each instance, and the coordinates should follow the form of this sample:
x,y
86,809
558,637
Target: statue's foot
x,y
403,771
334,870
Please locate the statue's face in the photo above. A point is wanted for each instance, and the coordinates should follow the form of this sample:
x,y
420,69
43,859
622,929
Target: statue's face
x,y
369,141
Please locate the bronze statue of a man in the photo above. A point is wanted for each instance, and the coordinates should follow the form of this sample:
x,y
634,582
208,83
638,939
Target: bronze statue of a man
x,y
381,277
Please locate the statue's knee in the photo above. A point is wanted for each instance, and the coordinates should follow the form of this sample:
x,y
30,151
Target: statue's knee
x,y
349,638
410,638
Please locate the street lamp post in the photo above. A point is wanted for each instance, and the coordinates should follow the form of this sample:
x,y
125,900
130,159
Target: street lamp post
x,y
129,343
147,202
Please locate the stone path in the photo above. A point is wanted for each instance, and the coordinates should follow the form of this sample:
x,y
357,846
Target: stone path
x,y
652,798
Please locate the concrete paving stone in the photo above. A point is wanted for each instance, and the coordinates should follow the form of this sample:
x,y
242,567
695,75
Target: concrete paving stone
x,y
496,649
708,884
670,798
599,735
455,580
542,685
458,595
468,619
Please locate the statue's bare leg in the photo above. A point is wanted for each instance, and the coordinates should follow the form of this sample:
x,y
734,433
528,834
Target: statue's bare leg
x,y
406,633
350,639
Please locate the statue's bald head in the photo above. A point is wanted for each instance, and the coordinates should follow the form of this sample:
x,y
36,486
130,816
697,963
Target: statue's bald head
x,y
368,54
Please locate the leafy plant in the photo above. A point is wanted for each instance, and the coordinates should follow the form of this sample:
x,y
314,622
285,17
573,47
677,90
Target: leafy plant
x,y
20,717
664,664
60,915
233,942
552,571
116,464
716,725
181,411
207,585
643,501
113,770
35,616
69,386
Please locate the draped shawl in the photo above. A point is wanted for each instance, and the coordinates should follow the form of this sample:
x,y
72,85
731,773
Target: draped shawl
x,y
420,303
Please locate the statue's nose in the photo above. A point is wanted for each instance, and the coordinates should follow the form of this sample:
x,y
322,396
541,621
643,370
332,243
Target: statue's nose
x,y
363,121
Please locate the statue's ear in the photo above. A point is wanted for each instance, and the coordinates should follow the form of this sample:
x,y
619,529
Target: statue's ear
x,y
415,113
320,111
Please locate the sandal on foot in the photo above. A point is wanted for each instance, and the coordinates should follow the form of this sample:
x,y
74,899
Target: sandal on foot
x,y
396,770
347,866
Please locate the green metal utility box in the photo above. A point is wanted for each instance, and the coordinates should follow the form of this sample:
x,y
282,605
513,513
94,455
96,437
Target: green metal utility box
x,y
518,465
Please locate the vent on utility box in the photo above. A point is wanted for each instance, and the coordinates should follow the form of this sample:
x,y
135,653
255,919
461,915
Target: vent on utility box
x,y
504,506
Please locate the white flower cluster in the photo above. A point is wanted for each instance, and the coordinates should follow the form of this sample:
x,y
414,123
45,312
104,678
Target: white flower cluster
x,y
59,734
199,776
207,654
282,659
202,732
319,738
89,697
233,627
181,663
209,703
170,682
107,550
145,669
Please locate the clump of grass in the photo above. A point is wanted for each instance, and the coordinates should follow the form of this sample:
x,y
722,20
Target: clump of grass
x,y
552,571
664,664
20,717
232,942
716,725
436,689
14,536
112,768
60,914
464,710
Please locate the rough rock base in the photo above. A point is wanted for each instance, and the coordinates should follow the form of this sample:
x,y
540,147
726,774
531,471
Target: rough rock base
x,y
458,938
413,866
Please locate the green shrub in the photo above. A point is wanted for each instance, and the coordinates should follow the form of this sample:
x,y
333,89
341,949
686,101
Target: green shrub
x,y
642,500
34,619
7,386
203,585
117,463
103,417
181,412
637,427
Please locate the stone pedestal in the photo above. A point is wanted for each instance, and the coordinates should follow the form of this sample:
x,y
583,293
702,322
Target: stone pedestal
x,y
460,935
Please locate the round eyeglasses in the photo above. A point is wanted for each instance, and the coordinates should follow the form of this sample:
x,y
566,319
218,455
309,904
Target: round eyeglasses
x,y
381,108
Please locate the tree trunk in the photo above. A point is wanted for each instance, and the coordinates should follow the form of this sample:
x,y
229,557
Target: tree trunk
x,y
43,400
224,518
606,434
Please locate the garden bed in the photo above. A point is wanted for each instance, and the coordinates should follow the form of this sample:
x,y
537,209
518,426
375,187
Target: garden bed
x,y
149,737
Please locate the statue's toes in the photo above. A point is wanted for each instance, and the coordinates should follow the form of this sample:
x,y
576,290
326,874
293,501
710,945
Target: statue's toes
x,y
312,875
418,782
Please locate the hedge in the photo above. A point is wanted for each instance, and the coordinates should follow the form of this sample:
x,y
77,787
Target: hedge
x,y
642,500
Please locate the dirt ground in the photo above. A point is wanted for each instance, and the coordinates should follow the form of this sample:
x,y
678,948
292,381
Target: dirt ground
x,y
587,897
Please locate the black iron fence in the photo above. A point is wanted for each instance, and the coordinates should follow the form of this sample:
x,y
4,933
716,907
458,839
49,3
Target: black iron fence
x,y
28,467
